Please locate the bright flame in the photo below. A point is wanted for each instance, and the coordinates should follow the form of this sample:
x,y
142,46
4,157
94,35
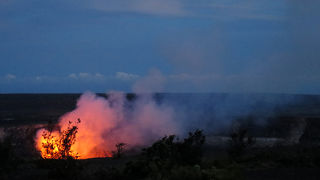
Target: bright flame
x,y
58,144
45,143
105,123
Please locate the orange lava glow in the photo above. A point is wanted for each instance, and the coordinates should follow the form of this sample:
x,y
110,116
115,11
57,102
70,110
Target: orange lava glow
x,y
52,144
97,125
90,141
51,147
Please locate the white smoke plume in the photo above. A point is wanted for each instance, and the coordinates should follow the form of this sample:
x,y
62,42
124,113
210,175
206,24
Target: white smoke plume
x,y
106,122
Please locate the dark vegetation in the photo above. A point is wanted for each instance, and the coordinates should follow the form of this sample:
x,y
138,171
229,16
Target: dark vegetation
x,y
120,150
167,158
240,141
62,143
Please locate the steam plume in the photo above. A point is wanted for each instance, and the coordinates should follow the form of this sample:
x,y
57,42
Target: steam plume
x,y
106,122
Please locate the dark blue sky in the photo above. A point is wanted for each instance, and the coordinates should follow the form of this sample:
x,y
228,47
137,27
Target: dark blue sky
x,y
160,45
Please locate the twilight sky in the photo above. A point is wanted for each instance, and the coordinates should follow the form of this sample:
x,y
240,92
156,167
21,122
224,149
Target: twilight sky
x,y
160,45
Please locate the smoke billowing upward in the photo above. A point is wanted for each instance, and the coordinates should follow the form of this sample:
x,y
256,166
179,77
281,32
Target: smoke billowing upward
x,y
139,121
107,122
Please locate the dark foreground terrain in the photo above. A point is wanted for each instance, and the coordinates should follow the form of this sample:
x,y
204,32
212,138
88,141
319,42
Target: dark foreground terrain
x,y
286,147
168,158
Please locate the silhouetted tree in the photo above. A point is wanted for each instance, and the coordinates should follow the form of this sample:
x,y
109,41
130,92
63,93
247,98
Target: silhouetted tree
x,y
60,147
119,152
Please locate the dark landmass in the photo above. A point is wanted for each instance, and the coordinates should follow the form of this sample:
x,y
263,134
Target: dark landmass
x,y
38,108
286,145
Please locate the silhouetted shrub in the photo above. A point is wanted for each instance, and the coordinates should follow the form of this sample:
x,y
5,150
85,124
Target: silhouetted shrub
x,y
169,148
165,154
60,147
120,150
240,141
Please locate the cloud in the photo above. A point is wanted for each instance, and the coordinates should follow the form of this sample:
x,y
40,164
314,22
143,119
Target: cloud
x,y
98,75
149,7
39,78
43,78
10,77
73,76
126,76
86,76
